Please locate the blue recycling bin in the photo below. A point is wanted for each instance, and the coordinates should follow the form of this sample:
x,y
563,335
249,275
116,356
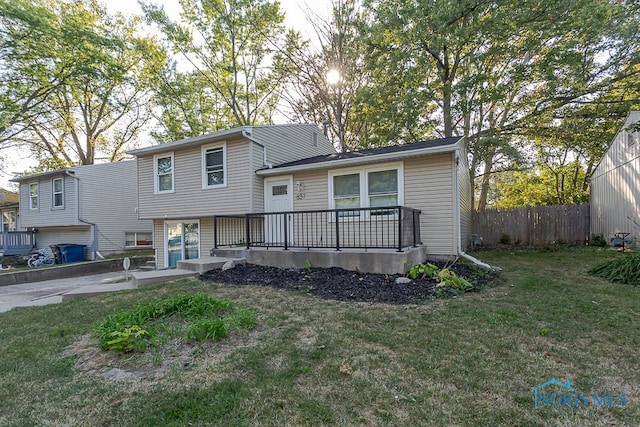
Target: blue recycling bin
x,y
71,253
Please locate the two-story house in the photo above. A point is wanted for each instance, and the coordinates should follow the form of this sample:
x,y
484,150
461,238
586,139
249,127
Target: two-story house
x,y
285,186
182,185
93,205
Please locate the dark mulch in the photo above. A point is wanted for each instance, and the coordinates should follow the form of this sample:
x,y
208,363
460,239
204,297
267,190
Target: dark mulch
x,y
338,284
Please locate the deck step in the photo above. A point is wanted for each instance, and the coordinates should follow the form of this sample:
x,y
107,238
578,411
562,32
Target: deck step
x,y
202,265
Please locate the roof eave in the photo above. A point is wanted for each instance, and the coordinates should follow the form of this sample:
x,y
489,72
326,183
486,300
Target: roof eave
x,y
20,179
375,158
202,139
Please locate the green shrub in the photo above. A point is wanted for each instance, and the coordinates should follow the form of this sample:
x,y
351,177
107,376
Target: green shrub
x,y
127,339
423,271
445,277
598,240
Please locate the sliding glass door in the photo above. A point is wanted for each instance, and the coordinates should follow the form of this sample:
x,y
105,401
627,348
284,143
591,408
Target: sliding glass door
x,y
182,241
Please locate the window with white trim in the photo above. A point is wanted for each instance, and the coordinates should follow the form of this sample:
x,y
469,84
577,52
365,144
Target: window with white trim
x,y
33,196
382,190
163,171
138,239
372,187
214,166
57,190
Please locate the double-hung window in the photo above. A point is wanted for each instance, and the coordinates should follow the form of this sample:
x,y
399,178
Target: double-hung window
x,y
33,196
346,194
163,170
372,187
58,192
214,166
382,190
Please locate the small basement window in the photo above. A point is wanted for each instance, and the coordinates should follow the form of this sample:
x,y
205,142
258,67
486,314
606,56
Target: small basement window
x,y
134,239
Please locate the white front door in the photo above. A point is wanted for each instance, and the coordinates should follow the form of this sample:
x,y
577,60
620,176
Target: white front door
x,y
278,197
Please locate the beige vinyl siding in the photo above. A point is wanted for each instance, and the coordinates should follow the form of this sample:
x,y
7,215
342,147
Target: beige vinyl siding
x,y
315,195
286,143
615,186
429,184
257,185
206,237
466,199
46,215
189,199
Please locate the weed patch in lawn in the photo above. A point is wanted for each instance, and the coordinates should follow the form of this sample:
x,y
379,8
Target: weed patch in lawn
x,y
204,318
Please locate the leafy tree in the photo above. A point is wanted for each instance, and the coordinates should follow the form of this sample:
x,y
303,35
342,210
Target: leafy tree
x,y
232,48
493,71
28,75
550,185
187,105
90,72
337,48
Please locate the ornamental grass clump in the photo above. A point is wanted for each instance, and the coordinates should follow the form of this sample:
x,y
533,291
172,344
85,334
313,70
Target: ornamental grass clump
x,y
624,269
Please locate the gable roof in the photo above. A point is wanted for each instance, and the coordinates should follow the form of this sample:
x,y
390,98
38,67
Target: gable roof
x,y
350,158
213,137
96,168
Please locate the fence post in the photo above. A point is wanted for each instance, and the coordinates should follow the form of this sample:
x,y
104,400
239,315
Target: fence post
x,y
286,231
337,218
215,232
399,228
247,230
414,227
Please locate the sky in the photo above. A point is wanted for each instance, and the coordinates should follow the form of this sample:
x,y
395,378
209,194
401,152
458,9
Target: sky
x,y
295,17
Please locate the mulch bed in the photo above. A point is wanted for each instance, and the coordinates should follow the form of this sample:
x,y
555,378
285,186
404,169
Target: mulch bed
x,y
344,285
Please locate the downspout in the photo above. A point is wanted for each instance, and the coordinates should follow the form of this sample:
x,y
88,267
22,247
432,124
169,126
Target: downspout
x,y
93,248
264,148
461,253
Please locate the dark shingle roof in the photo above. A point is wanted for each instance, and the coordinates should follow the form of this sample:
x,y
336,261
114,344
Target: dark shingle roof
x,y
372,152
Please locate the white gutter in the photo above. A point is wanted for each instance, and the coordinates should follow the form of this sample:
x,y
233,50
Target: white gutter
x,y
354,161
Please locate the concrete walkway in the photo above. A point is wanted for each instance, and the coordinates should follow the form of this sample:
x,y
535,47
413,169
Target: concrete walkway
x,y
59,290
52,291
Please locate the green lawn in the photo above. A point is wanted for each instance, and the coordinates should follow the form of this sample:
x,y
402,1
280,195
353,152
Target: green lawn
x,y
469,360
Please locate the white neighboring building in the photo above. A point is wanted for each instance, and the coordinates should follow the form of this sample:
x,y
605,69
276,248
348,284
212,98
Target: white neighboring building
x,y
615,185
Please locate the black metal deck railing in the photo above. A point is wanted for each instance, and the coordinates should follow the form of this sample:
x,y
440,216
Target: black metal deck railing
x,y
394,227
17,242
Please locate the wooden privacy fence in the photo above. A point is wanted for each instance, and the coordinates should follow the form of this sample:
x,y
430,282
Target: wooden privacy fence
x,y
537,225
